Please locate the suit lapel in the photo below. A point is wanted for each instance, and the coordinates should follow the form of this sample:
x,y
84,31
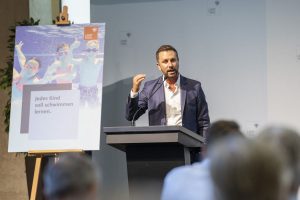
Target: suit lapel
x,y
161,100
183,84
160,92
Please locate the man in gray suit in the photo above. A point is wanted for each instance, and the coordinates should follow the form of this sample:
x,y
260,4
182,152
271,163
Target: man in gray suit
x,y
171,99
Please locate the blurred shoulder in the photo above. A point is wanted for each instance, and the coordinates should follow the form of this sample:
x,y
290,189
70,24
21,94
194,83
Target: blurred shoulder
x,y
195,170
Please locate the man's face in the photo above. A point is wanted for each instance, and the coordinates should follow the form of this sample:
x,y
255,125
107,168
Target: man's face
x,y
168,63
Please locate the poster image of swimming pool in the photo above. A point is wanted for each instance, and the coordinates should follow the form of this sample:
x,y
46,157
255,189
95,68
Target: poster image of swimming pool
x,y
52,57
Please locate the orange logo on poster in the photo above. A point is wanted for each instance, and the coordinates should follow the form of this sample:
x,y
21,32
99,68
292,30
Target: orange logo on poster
x,y
91,33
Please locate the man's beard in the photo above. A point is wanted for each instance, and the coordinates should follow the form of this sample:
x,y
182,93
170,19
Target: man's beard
x,y
171,73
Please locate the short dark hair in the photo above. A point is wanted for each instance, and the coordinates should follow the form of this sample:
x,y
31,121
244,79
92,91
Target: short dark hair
x,y
221,129
165,47
72,176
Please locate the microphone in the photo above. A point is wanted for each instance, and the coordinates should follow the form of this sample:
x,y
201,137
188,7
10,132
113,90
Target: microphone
x,y
147,98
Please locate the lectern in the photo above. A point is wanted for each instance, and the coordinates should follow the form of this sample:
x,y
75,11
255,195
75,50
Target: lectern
x,y
151,153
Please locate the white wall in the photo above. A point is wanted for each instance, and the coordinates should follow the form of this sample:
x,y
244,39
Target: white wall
x,y
79,11
247,56
283,38
42,10
225,51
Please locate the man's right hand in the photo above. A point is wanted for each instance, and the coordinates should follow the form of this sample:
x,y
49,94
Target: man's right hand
x,y
136,82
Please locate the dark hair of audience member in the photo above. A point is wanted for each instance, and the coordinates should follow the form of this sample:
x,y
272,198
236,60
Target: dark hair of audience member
x,y
72,177
220,129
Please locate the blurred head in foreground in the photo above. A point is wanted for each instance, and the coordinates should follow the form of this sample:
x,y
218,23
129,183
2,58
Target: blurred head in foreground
x,y
247,170
221,129
288,142
72,177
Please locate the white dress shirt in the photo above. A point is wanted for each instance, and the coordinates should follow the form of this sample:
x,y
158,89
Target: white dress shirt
x,y
173,104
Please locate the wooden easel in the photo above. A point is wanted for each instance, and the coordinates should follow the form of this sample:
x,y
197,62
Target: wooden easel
x,y
38,161
61,20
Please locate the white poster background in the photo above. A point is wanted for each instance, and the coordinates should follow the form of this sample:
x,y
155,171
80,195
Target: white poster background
x,y
54,115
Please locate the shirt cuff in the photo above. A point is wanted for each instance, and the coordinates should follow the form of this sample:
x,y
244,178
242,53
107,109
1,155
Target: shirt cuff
x,y
133,94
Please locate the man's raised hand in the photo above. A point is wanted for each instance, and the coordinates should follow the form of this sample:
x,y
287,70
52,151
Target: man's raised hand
x,y
136,82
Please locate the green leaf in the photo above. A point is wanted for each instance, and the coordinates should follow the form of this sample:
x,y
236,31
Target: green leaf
x,y
7,71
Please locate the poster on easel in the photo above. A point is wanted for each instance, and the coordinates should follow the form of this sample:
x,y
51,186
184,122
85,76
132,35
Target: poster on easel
x,y
57,87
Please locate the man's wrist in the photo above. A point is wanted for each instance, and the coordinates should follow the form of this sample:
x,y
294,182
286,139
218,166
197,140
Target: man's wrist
x,y
135,89
133,94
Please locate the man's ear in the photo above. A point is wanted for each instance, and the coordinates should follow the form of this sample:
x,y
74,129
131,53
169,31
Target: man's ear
x,y
158,66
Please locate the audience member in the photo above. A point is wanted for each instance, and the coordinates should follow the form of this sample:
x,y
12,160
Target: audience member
x,y
72,177
243,169
287,141
194,182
